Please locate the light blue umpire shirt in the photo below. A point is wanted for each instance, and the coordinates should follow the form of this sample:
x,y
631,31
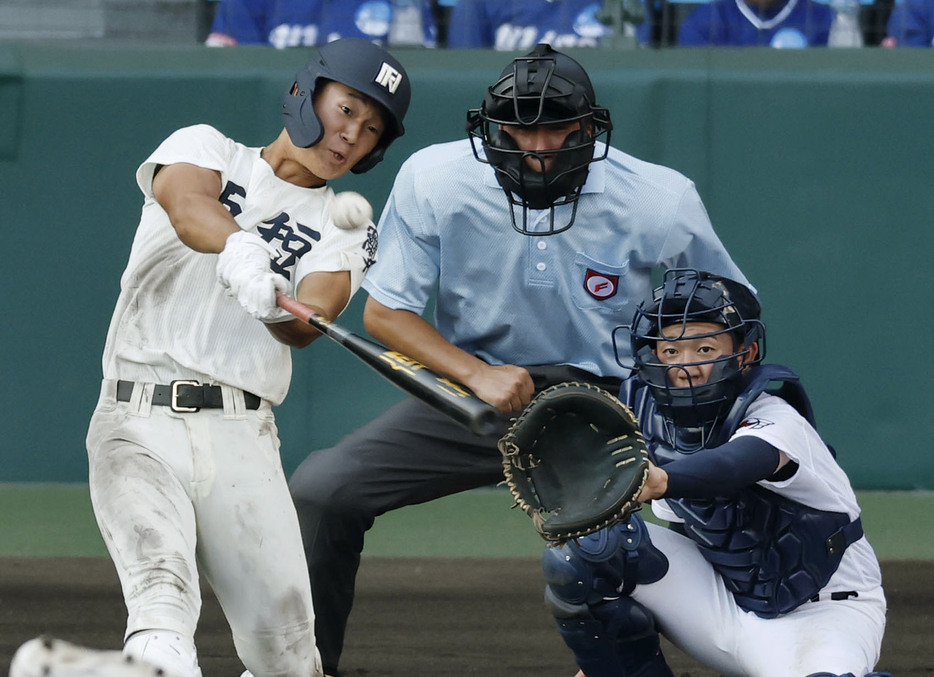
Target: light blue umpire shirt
x,y
516,299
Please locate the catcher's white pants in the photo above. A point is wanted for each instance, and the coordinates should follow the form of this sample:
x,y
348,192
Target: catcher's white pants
x,y
174,490
698,614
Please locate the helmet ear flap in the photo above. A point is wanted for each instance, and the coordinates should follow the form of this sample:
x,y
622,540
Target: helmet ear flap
x,y
298,111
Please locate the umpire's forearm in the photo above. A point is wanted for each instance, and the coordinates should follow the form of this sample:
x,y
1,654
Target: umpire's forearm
x,y
411,335
506,387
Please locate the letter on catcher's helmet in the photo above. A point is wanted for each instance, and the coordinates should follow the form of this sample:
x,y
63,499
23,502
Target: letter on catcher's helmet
x,y
541,88
359,64
686,296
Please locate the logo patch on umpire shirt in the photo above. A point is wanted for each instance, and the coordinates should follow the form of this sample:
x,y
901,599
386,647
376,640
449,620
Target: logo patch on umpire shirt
x,y
600,285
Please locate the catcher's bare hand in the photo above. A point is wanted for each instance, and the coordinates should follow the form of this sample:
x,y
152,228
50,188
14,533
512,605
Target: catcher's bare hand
x,y
656,484
507,387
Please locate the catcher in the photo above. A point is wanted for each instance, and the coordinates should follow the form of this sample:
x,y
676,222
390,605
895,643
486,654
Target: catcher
x,y
764,570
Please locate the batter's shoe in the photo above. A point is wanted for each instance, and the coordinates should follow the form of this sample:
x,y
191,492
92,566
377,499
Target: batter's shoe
x,y
50,657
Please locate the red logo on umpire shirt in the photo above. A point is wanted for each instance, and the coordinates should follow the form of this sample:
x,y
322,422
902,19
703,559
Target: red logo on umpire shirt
x,y
600,285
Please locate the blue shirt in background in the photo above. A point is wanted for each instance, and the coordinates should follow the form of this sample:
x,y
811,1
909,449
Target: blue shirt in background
x,y
911,24
300,23
794,24
519,25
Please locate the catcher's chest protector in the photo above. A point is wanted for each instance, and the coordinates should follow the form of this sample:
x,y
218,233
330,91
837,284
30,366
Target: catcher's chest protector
x,y
773,553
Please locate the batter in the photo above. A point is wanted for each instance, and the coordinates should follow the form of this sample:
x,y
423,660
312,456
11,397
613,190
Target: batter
x,y
185,473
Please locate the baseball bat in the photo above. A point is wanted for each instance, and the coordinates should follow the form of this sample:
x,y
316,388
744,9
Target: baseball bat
x,y
448,397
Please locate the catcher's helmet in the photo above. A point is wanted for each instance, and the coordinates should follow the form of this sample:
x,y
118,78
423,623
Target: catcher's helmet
x,y
357,63
686,296
541,88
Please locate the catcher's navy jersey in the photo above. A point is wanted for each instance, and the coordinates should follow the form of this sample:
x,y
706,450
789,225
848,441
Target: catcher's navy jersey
x,y
911,24
297,23
555,299
522,24
797,23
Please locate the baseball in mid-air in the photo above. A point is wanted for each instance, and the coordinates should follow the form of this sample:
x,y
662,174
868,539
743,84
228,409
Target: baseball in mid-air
x,y
350,210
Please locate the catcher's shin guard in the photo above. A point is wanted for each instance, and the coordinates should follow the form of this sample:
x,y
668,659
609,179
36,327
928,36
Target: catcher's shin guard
x,y
589,581
614,639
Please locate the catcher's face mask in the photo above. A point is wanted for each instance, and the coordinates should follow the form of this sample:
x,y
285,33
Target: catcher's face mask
x,y
690,351
692,342
696,376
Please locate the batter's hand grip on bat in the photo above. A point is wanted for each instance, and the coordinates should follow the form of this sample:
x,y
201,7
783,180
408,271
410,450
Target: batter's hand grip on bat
x,y
450,398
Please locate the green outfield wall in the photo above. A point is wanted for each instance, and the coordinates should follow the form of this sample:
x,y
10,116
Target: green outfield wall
x,y
817,168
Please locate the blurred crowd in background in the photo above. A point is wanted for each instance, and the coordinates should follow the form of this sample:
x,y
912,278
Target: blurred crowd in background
x,y
513,25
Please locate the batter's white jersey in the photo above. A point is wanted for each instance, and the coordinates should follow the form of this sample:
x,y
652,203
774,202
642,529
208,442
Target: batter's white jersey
x,y
173,320
696,611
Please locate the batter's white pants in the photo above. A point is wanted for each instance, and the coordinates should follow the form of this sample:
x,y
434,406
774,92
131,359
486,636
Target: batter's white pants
x,y
696,612
171,491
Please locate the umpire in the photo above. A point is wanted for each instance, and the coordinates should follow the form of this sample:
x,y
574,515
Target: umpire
x,y
538,236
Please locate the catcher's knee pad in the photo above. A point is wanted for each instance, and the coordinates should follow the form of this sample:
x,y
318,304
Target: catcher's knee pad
x,y
604,564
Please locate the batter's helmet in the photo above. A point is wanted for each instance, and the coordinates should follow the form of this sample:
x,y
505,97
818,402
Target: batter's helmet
x,y
543,87
685,296
357,63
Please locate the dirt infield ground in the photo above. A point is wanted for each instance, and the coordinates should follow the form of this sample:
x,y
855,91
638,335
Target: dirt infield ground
x,y
413,617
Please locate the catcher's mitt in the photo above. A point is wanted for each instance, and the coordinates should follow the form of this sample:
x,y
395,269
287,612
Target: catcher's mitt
x,y
575,461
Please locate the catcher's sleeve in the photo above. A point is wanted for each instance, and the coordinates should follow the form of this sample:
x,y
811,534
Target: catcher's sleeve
x,y
739,463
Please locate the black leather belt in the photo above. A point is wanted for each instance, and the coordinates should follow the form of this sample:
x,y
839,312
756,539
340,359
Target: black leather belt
x,y
185,396
835,596
546,375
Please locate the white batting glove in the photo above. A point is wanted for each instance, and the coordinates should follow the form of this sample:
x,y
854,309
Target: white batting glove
x,y
258,296
243,270
244,255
